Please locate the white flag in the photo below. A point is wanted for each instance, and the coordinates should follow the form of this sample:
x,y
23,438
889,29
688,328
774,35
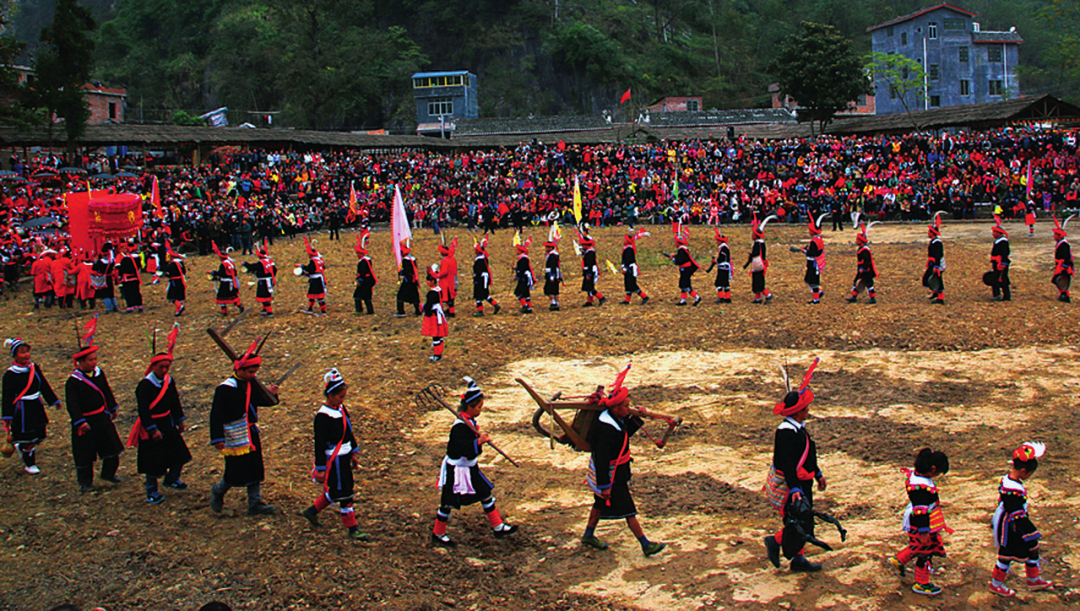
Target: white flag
x,y
399,225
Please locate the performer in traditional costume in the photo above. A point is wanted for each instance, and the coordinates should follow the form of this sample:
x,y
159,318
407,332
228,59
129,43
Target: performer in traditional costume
x,y
315,271
26,392
176,274
234,431
482,279
434,325
365,275
460,479
158,433
686,264
335,457
523,273
409,289
923,520
609,468
448,275
865,270
793,472
552,269
102,278
630,268
590,271
934,277
92,407
1029,218
1016,536
228,292
758,261
265,272
1063,261
722,262
815,259
999,264
130,279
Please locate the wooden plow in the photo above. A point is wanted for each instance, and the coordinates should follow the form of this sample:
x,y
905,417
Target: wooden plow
x,y
587,410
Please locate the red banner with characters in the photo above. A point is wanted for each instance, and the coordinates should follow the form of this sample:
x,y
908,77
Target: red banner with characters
x,y
96,218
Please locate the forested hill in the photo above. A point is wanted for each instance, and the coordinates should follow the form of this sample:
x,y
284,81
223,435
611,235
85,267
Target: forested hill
x,y
344,64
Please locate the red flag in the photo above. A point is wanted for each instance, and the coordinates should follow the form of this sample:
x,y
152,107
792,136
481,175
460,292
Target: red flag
x,y
155,199
353,211
625,97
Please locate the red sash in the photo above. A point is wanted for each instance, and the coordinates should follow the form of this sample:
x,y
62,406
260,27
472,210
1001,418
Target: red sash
x,y
138,431
29,383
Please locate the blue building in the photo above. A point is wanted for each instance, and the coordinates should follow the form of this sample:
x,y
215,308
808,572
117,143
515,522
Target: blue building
x,y
964,64
442,97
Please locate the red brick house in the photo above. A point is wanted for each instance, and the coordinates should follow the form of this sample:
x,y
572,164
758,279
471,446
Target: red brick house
x,y
676,104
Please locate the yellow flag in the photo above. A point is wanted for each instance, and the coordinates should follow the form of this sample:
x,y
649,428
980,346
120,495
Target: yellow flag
x,y
517,238
577,201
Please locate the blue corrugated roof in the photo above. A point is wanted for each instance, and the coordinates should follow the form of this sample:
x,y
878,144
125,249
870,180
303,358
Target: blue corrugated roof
x,y
430,74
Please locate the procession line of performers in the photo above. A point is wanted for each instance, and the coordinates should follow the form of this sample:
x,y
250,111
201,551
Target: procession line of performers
x,y
158,434
795,471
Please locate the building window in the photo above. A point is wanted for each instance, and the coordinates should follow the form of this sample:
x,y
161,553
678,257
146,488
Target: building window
x,y
965,87
692,106
935,72
964,52
903,38
993,54
931,30
440,107
995,88
954,25
892,92
112,110
889,32
861,100
935,101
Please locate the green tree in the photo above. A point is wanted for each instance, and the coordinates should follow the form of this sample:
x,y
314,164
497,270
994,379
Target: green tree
x,y
13,111
819,68
62,66
902,76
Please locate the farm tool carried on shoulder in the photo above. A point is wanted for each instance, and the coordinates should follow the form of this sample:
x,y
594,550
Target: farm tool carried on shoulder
x,y
588,409
431,397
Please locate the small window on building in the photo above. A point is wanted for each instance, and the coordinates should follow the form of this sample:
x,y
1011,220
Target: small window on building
x,y
861,100
112,110
889,32
965,87
954,25
440,107
892,92
964,53
935,101
993,54
995,88
692,106
935,72
903,38
931,30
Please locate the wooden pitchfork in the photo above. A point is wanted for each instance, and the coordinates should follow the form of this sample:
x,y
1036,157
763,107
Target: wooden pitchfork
x,y
431,397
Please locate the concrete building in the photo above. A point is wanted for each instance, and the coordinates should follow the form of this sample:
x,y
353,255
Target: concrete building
x,y
864,105
690,103
964,63
442,97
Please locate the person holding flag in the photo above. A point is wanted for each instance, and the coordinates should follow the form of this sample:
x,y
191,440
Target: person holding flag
x,y
590,271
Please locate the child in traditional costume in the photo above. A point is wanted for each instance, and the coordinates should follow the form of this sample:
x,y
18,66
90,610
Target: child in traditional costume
x,y
265,272
630,268
335,457
315,270
26,392
434,325
552,269
1016,536
482,279
365,275
460,479
923,520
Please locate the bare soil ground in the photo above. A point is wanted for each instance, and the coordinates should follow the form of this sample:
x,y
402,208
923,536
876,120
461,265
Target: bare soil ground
x,y
973,378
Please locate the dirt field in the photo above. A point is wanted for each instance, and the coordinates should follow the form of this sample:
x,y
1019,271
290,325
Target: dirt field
x,y
973,378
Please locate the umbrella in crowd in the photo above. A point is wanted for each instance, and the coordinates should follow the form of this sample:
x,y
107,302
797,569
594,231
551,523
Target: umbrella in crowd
x,y
72,171
44,174
125,175
6,173
130,168
103,176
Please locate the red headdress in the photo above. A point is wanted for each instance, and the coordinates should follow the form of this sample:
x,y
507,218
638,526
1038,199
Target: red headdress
x,y
85,342
1059,228
720,237
523,247
935,226
405,246
583,236
362,242
815,225
680,233
170,345
263,250
217,252
250,358
481,246
861,238
997,229
796,400
758,230
618,392
553,236
309,247
1030,450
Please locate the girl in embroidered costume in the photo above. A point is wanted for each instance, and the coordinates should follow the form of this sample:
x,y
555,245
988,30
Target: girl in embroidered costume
x,y
158,432
315,270
434,325
26,392
228,284
609,468
758,261
793,472
686,264
335,457
1017,537
923,520
265,272
460,478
